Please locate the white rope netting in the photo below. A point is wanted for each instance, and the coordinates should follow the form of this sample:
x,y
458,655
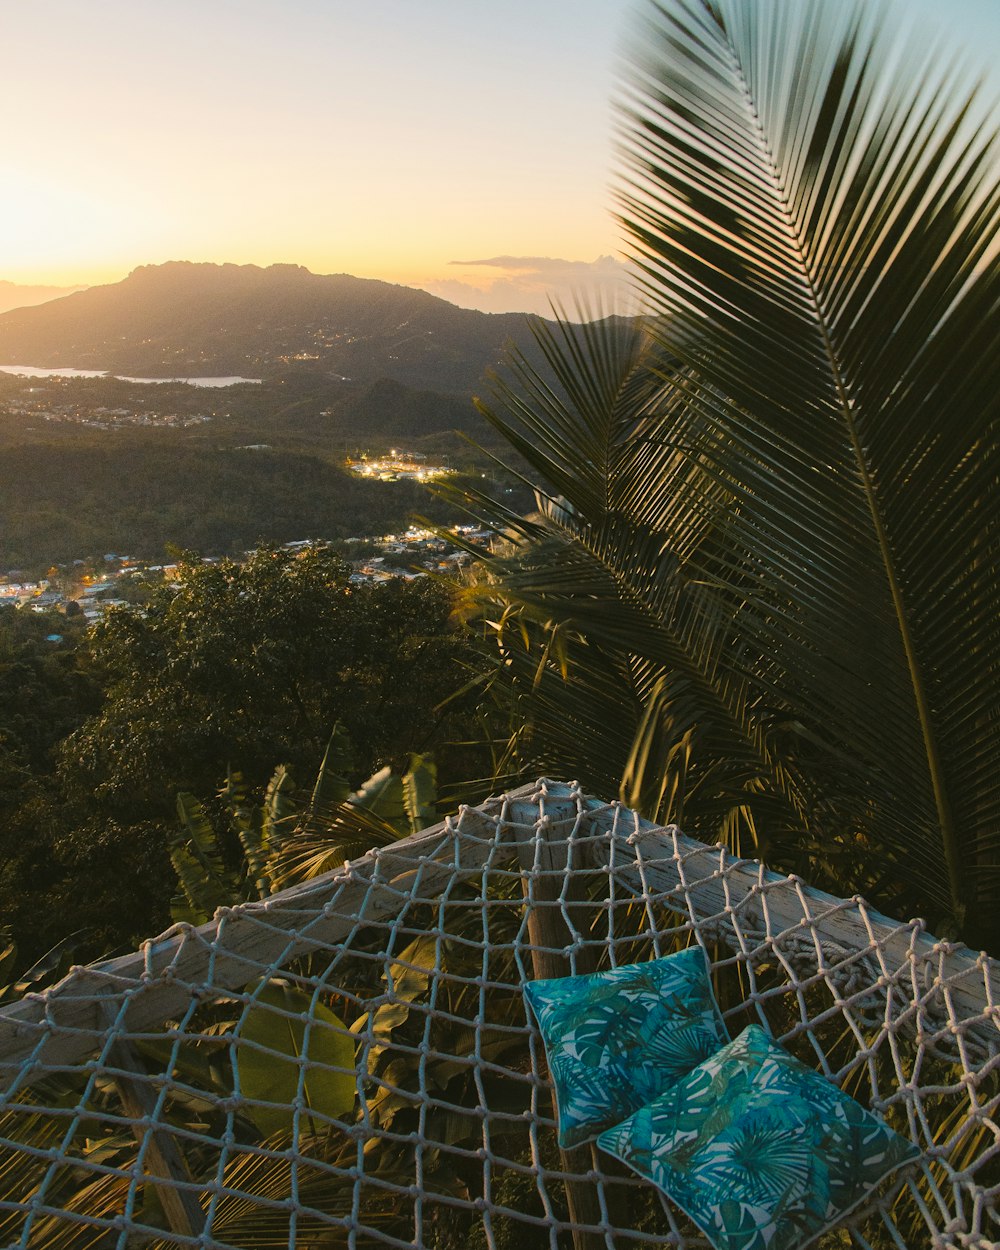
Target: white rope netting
x,y
350,1063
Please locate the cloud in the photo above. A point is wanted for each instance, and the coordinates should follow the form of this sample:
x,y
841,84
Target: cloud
x,y
546,264
534,283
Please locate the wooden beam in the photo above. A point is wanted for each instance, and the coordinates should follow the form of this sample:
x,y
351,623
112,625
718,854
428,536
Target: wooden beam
x,y
163,1158
543,855
715,888
66,1024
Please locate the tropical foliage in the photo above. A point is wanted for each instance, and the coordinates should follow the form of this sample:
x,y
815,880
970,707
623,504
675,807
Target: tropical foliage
x,y
224,671
292,835
241,663
759,595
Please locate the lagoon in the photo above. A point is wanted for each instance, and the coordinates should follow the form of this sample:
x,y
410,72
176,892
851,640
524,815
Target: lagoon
x,y
32,371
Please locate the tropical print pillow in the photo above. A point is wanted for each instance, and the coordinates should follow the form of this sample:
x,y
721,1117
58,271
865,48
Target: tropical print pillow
x,y
759,1150
617,1039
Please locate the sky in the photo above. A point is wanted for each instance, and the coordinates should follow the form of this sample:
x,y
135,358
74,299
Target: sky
x,y
464,146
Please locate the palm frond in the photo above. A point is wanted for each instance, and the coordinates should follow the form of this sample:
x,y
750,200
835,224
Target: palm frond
x,y
816,209
610,648
775,529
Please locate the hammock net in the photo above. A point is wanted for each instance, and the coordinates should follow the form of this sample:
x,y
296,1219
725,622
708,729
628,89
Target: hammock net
x,y
350,1062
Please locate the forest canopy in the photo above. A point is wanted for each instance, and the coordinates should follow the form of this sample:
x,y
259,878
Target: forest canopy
x,y
234,668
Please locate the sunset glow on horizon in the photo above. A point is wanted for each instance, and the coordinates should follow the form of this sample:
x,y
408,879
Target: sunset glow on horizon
x,y
459,148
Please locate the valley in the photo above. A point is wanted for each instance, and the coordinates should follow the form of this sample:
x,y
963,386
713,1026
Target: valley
x,y
92,463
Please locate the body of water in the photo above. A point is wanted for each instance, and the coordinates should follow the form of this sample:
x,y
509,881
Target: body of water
x,y
31,371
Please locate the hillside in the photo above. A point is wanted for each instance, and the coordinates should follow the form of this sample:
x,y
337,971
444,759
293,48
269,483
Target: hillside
x,y
60,503
90,465
186,319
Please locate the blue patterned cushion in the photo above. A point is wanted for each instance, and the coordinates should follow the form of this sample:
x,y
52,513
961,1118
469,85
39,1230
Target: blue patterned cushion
x,y
759,1150
617,1039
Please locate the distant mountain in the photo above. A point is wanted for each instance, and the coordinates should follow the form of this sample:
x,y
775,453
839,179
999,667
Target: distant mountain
x,y
13,295
185,319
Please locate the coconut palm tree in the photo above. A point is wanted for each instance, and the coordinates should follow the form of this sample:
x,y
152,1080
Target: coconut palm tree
x,y
760,593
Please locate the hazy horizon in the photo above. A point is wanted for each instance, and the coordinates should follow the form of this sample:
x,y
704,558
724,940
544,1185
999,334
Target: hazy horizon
x,y
606,279
444,147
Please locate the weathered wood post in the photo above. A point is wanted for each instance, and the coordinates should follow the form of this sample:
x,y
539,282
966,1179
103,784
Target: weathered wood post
x,y
164,1162
556,904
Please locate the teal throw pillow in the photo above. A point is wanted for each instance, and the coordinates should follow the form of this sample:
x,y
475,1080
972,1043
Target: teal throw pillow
x,y
759,1150
617,1039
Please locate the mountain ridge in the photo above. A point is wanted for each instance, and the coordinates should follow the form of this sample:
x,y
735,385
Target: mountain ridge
x,y
187,318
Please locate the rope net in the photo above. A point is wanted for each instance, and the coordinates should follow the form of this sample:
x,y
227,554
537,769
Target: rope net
x,y
350,1063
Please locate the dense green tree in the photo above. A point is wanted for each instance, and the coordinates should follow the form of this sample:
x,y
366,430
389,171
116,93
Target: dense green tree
x,y
233,667
44,694
239,665
70,872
